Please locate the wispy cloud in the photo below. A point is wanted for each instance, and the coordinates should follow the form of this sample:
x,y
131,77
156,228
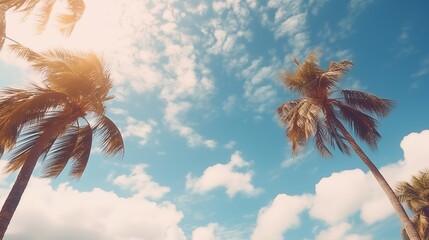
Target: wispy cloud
x,y
423,69
139,129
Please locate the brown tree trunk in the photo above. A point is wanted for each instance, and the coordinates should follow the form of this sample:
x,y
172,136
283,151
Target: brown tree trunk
x,y
397,206
27,168
15,194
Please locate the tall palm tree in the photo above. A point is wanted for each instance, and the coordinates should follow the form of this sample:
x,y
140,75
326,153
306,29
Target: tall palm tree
x,y
415,195
320,111
67,21
55,123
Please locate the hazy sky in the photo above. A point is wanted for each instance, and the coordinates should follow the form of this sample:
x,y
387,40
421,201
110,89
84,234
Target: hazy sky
x,y
196,89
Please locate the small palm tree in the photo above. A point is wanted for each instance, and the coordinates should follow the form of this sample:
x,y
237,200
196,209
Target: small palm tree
x,y
67,21
55,123
321,109
415,195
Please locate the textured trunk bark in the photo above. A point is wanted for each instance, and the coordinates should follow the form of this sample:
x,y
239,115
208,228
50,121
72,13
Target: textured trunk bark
x,y
405,220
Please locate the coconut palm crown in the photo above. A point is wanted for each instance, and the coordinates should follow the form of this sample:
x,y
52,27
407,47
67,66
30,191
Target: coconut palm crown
x,y
321,111
55,123
415,194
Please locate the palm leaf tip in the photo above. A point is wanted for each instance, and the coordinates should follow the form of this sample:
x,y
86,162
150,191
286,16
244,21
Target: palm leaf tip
x,y
368,102
111,138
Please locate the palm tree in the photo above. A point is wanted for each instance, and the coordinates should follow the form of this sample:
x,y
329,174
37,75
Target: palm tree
x,y
67,21
416,195
55,123
320,111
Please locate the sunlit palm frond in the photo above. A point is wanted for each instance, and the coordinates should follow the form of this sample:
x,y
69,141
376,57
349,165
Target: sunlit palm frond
x,y
68,21
111,138
2,25
61,152
368,102
364,126
305,78
20,109
43,16
415,194
25,53
20,5
82,151
284,110
341,66
300,119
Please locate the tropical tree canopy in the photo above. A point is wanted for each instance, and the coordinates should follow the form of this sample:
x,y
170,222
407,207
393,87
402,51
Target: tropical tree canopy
x,y
75,88
321,106
415,194
43,9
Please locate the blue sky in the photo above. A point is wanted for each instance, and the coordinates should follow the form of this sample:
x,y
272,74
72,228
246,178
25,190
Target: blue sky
x,y
196,89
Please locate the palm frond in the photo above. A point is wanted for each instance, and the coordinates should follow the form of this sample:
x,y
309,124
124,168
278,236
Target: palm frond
x,y
82,151
303,79
25,53
111,138
20,109
39,138
341,66
364,126
335,136
20,153
2,25
300,119
43,16
61,152
68,21
368,102
320,139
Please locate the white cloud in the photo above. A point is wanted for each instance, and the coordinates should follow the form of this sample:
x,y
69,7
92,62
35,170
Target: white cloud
x,y
339,232
139,129
140,183
205,233
225,175
360,193
67,213
353,186
355,191
282,214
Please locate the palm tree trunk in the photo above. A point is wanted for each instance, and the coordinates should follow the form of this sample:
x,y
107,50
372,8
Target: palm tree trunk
x,y
397,206
24,175
15,194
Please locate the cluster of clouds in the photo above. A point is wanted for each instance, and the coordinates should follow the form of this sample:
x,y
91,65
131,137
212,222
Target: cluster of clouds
x,y
166,47
342,195
65,212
